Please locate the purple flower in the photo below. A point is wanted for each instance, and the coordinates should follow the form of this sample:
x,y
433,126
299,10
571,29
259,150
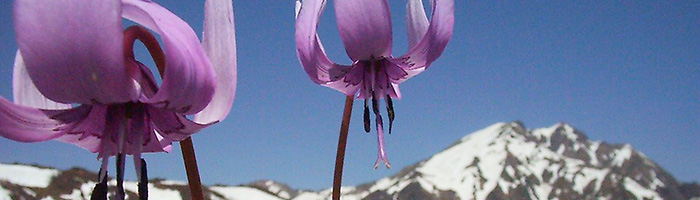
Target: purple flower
x,y
365,28
76,79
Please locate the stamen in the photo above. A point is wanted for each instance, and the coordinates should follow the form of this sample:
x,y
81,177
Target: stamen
x,y
375,105
100,190
120,177
143,182
390,110
366,117
103,169
149,40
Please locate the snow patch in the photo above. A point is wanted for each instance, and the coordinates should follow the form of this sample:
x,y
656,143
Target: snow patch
x,y
243,193
308,196
4,194
172,182
639,191
591,153
622,155
27,176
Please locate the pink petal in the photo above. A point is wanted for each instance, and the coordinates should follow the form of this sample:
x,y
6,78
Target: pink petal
x,y
189,80
73,50
416,22
89,132
310,51
431,46
25,92
219,41
365,27
24,124
173,126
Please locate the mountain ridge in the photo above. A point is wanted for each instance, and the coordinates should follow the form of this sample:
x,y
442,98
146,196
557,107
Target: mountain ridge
x,y
502,161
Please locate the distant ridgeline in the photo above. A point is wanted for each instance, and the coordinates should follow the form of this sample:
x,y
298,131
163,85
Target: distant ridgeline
x,y
502,161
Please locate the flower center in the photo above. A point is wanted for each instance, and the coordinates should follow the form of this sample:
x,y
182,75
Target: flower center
x,y
377,85
126,120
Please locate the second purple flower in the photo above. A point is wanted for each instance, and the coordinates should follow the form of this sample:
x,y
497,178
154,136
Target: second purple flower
x,y
365,29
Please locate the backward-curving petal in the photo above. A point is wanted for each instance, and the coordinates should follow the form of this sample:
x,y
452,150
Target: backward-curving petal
x,y
310,51
25,92
365,27
73,50
219,41
189,80
173,126
416,22
431,45
25,124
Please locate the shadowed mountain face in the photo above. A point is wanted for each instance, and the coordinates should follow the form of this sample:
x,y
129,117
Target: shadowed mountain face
x,y
502,161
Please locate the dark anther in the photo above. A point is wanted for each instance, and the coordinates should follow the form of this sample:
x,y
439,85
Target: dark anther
x,y
366,117
390,110
100,190
143,183
375,106
120,176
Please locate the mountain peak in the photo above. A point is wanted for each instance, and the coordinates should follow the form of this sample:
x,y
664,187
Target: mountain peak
x,y
509,161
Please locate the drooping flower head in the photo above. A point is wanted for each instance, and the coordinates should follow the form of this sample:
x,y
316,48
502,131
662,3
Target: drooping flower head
x,y
365,29
76,52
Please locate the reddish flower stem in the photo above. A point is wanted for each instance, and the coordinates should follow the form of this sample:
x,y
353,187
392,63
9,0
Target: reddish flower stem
x,y
133,33
342,141
191,168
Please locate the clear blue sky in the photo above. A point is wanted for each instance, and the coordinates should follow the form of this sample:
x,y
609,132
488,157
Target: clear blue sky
x,y
621,71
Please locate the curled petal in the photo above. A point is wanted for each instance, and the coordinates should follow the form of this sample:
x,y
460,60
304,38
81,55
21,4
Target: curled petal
x,y
312,56
189,80
25,92
73,50
365,27
219,41
24,124
173,126
430,46
416,22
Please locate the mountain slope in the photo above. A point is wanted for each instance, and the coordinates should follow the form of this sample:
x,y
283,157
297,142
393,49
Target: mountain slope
x,y
502,161
507,161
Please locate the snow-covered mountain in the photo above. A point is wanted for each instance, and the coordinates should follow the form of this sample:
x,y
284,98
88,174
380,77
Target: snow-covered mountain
x,y
508,161
502,161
